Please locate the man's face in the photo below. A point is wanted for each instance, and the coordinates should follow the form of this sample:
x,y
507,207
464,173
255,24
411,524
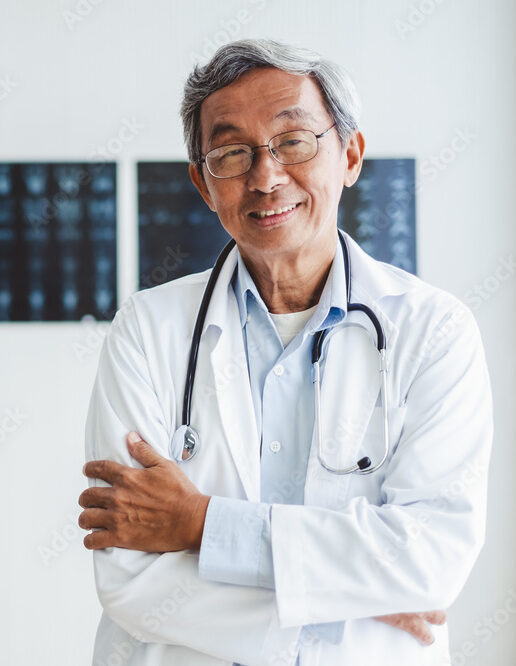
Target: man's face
x,y
251,104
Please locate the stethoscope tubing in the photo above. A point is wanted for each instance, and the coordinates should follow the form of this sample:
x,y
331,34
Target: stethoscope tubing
x,y
191,437
199,323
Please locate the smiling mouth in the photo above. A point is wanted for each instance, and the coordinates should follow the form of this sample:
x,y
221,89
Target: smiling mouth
x,y
263,214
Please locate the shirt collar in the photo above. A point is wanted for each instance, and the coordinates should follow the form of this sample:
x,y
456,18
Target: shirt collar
x,y
332,306
243,285
372,281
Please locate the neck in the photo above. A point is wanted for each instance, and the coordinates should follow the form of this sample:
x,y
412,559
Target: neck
x,y
291,282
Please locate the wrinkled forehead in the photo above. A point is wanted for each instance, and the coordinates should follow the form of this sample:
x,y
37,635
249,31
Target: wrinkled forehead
x,y
264,97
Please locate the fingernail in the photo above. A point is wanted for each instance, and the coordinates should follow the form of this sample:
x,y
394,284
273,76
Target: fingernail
x,y
133,437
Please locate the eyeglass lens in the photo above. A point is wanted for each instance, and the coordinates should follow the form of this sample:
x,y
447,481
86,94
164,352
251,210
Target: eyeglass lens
x,y
287,148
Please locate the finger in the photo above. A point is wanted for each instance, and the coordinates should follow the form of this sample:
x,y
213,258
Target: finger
x,y
412,624
435,617
424,633
142,451
91,518
394,620
107,470
95,496
418,628
99,539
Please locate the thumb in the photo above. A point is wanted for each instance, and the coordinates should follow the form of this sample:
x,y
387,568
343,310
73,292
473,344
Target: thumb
x,y
141,450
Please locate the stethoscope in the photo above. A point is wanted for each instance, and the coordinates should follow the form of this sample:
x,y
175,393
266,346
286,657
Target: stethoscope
x,y
186,439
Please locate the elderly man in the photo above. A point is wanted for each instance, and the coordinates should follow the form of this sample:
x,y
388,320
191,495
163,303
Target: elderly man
x,y
249,548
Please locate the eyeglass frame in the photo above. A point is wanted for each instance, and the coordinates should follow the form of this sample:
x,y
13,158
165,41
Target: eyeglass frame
x,y
265,145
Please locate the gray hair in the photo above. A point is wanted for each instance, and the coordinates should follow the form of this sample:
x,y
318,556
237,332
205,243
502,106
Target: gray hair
x,y
234,59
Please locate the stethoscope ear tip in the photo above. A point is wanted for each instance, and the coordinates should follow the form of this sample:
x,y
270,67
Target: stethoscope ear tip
x,y
364,463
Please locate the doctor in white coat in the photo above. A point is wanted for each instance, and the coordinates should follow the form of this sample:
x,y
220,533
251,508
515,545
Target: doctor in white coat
x,y
397,544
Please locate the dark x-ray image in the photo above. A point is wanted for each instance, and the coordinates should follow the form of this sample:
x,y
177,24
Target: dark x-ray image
x,y
179,234
57,241
379,211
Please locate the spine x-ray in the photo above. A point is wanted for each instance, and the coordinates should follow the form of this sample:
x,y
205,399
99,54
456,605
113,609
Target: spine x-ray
x,y
179,234
57,241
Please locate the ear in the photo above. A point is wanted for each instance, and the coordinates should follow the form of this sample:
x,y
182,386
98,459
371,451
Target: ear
x,y
200,184
354,153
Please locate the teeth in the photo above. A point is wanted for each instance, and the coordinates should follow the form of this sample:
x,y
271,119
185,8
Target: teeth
x,y
267,213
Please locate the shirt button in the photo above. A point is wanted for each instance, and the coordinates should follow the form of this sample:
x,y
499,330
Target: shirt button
x,y
278,370
275,446
248,317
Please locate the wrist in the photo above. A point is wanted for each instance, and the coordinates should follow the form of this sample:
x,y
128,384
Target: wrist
x,y
198,518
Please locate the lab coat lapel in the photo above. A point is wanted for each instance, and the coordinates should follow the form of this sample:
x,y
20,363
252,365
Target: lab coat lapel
x,y
349,387
230,376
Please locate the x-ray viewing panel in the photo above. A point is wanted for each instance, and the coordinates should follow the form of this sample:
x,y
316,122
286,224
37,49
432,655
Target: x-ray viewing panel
x,y
57,241
179,234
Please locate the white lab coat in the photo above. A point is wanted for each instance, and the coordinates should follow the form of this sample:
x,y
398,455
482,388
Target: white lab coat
x,y
401,539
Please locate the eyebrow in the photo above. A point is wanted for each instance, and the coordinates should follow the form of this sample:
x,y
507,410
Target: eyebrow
x,y
292,113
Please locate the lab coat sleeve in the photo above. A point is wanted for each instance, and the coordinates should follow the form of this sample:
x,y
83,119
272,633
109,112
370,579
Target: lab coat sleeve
x,y
160,598
415,551
236,548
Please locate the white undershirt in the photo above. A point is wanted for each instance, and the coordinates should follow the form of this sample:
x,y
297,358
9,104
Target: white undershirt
x,y
289,324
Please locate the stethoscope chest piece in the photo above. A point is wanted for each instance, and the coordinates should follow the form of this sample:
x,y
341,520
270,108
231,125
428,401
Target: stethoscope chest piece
x,y
185,443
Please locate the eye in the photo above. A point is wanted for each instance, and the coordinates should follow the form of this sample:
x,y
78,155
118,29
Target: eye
x,y
235,151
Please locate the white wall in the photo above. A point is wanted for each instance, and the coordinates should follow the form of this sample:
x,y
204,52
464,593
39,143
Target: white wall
x,y
66,87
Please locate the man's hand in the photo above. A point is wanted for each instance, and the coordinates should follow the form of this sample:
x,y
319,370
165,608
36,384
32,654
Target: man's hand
x,y
155,509
416,623
158,509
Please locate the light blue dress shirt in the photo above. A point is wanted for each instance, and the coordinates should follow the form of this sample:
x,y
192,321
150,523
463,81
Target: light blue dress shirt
x,y
236,542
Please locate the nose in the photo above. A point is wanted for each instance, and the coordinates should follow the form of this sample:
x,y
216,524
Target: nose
x,y
266,173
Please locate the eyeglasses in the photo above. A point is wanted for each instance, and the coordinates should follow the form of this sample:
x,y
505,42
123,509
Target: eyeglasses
x,y
292,147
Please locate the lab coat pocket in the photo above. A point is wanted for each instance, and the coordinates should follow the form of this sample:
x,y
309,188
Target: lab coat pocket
x,y
372,445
